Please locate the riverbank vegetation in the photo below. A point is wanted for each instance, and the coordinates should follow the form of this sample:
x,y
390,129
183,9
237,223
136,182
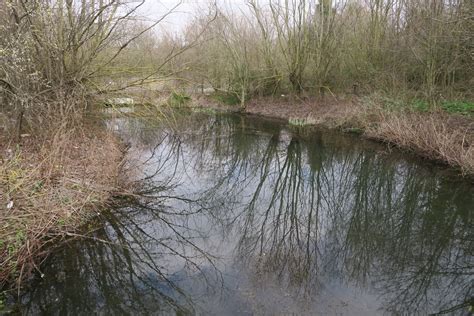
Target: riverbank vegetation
x,y
435,135
398,71
418,50
51,189
58,164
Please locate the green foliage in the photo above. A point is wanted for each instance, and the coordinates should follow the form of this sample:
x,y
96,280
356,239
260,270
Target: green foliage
x,y
226,98
300,121
178,99
15,243
2,301
38,186
20,236
420,105
392,103
459,107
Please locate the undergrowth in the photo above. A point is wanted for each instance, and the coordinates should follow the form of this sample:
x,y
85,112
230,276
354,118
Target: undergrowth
x,y
460,107
225,98
435,134
47,191
177,99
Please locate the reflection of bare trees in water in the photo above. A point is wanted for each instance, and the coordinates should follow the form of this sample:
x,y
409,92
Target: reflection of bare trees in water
x,y
410,234
138,262
302,209
128,266
310,210
146,252
279,232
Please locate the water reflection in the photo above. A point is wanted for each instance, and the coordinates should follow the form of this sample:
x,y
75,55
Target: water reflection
x,y
124,268
240,215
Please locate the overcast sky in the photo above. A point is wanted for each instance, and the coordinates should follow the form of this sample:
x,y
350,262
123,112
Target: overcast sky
x,y
154,9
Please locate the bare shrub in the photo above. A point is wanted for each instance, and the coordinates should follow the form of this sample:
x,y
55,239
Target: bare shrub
x,y
49,189
420,47
430,136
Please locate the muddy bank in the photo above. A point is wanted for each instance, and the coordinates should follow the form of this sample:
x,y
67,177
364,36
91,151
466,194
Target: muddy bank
x,y
49,188
436,135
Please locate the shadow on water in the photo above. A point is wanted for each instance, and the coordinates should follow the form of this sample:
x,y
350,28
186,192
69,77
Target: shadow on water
x,y
240,215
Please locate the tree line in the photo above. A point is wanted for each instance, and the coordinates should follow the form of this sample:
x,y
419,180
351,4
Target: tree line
x,y
419,48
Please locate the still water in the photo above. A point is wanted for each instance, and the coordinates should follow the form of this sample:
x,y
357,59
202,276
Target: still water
x,y
238,215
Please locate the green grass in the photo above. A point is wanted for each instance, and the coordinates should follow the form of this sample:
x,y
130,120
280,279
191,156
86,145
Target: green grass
x,y
453,107
459,107
420,105
178,99
300,121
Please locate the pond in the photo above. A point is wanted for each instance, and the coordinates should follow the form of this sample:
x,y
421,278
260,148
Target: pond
x,y
239,215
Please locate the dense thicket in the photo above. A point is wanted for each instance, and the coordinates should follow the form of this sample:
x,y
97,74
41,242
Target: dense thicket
x,y
421,48
54,53
415,48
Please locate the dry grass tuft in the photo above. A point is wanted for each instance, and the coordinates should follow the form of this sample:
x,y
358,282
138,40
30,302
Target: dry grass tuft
x,y
47,189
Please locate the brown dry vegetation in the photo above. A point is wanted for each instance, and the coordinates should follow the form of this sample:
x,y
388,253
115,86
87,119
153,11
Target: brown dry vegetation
x,y
55,56
411,49
48,189
434,136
